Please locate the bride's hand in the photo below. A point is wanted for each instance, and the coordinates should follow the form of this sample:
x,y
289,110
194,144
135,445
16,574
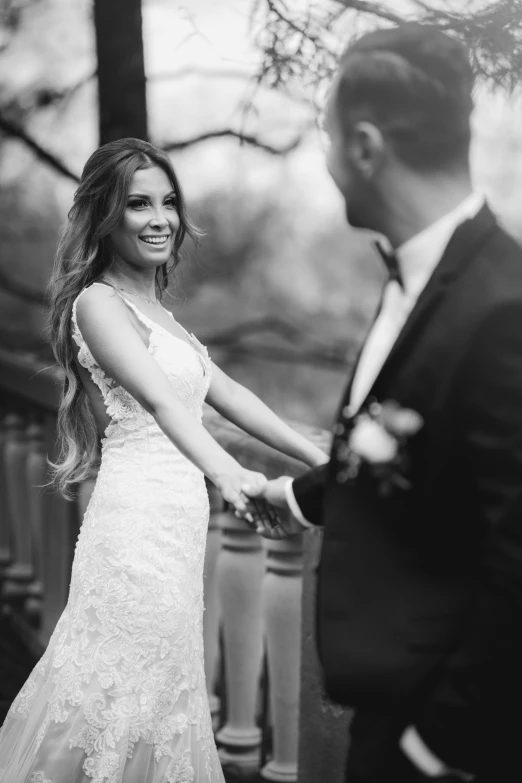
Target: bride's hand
x,y
230,485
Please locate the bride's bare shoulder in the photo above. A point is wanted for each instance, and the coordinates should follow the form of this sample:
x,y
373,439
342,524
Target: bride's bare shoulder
x,y
99,301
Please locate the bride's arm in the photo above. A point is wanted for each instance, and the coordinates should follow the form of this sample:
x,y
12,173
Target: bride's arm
x,y
243,408
106,327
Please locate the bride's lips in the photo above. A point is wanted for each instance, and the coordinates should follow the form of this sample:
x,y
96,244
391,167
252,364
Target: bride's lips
x,y
155,240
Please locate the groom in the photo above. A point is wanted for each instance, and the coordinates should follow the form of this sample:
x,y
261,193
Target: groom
x,y
420,591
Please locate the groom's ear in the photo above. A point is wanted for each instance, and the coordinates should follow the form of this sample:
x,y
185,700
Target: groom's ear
x,y
367,150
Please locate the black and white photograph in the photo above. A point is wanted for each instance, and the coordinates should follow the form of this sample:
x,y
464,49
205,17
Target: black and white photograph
x,y
260,391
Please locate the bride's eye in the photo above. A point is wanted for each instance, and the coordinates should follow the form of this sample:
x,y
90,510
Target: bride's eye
x,y
138,203
171,202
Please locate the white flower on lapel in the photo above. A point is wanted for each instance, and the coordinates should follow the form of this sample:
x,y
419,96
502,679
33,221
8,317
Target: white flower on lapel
x,y
372,442
400,422
379,439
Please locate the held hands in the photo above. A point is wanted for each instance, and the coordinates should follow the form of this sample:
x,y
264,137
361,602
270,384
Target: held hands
x,y
263,504
244,490
231,485
269,507
268,503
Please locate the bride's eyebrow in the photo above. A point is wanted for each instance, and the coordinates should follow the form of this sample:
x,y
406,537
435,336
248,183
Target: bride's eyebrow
x,y
145,195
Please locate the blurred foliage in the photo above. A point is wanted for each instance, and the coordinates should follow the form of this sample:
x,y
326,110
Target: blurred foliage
x,y
236,228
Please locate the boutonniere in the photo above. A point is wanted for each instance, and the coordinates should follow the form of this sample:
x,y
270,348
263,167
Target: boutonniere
x,y
378,438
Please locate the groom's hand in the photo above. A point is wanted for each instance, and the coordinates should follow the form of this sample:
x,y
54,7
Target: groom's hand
x,y
271,510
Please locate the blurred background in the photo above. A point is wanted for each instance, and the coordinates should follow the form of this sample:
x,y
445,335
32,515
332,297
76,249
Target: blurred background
x,y
280,288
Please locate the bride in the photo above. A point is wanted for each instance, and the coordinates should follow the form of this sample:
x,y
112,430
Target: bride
x,y
119,695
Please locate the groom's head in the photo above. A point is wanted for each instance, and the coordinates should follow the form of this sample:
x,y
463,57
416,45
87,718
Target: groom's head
x,y
399,109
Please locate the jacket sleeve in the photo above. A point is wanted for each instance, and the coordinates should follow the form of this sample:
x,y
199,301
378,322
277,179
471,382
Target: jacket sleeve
x,y
308,491
480,685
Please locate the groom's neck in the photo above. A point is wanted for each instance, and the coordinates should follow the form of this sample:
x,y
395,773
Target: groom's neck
x,y
414,203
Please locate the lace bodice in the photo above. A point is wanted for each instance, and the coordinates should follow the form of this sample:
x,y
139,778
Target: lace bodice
x,y
119,695
185,362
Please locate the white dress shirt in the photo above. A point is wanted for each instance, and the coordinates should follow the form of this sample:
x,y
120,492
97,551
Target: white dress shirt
x,y
417,259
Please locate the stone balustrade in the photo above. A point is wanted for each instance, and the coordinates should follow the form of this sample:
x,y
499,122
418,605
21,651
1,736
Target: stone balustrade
x,y
253,587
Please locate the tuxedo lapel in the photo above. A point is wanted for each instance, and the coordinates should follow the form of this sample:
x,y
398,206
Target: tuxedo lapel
x,y
464,243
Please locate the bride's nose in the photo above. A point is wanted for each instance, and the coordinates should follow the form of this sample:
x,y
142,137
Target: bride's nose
x,y
159,219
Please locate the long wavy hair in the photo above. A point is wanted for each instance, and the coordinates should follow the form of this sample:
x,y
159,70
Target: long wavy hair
x,y
84,254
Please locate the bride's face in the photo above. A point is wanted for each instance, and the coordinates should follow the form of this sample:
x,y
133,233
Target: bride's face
x,y
145,235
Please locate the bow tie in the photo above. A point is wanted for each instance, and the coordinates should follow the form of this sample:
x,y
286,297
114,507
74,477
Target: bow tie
x,y
391,263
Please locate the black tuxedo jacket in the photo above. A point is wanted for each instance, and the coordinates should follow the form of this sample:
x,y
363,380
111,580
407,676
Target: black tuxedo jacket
x,y
421,592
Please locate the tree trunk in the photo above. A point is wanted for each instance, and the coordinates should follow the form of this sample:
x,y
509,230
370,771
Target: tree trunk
x,y
121,70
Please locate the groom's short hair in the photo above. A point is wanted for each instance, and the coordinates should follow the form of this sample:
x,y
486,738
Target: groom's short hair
x,y
415,83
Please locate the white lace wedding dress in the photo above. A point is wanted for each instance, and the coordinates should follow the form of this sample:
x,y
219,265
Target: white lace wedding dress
x,y
119,695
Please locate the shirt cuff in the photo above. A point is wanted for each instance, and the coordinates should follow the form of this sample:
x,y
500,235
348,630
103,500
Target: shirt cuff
x,y
420,755
294,505
412,745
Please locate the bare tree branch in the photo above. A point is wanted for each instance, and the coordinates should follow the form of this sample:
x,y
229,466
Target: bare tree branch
x,y
493,34
42,96
252,141
11,129
302,46
283,17
15,131
371,9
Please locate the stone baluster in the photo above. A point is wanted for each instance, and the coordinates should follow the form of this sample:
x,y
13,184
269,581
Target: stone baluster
x,y
20,572
282,590
241,566
5,532
211,616
36,473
